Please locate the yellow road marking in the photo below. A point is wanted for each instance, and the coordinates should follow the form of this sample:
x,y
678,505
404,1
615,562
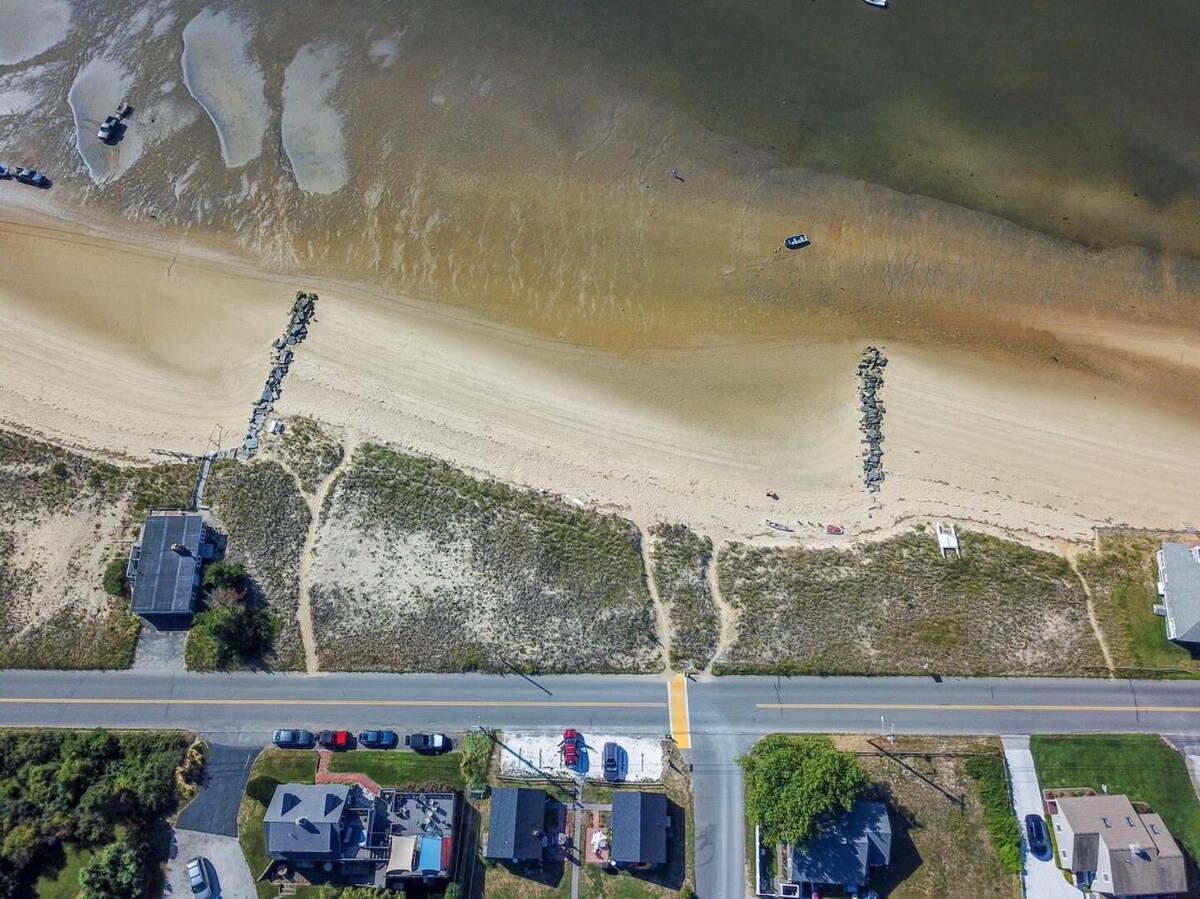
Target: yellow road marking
x,y
966,707
678,702
454,703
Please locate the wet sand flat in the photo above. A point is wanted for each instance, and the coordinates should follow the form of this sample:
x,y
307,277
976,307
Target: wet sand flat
x,y
31,29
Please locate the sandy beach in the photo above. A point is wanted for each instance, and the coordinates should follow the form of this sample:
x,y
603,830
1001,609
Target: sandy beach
x,y
116,346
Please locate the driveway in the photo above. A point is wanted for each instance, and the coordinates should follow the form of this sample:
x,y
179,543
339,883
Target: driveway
x,y
215,808
232,876
1042,879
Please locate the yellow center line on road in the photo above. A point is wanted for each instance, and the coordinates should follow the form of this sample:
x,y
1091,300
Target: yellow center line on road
x,y
968,707
431,703
678,702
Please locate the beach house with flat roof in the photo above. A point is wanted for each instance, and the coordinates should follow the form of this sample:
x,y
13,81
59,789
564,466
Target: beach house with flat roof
x,y
164,567
1108,845
640,823
1179,587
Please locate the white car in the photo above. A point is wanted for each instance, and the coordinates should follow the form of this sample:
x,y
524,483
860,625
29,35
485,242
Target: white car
x,y
198,879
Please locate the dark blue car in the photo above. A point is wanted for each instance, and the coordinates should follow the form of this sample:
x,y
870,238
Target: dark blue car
x,y
1039,840
378,739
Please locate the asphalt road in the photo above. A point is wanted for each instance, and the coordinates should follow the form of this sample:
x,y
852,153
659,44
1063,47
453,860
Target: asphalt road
x,y
726,715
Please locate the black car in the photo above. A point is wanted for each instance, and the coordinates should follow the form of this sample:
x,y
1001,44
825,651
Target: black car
x,y
292,739
1039,841
378,739
614,763
429,743
30,176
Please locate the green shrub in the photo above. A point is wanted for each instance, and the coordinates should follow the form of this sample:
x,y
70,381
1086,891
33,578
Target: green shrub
x,y
60,470
990,775
114,577
118,871
224,575
230,633
791,782
454,891
262,788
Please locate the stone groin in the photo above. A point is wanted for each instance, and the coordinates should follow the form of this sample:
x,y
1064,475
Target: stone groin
x,y
870,384
304,310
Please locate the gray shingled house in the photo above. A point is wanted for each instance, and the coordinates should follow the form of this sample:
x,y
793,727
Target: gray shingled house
x,y
164,567
844,849
516,825
304,821
1108,845
1179,587
640,823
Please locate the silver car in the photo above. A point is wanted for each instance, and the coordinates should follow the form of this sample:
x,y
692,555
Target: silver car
x,y
198,878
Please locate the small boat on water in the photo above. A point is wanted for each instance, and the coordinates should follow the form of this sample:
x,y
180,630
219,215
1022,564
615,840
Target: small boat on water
x,y
797,241
882,4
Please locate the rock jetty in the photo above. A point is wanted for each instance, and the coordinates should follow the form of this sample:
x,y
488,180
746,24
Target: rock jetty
x,y
870,382
304,311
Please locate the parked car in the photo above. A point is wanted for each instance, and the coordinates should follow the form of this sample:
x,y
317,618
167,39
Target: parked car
x,y
3,171
430,743
613,772
378,739
570,747
336,739
1039,841
30,176
292,739
109,128
199,879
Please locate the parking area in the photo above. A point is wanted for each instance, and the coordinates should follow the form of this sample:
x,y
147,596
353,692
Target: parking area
x,y
231,876
539,755
215,808
1042,878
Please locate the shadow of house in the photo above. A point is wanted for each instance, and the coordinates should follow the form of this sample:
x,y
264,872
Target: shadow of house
x,y
164,567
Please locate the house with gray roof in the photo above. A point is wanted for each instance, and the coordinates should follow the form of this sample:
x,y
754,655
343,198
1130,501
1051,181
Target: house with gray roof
x,y
1179,587
345,834
516,825
304,821
164,566
844,848
1115,850
640,823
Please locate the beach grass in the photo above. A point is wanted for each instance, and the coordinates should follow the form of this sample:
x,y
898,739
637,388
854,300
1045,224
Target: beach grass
x,y
681,559
309,450
265,521
898,607
64,517
1122,574
421,566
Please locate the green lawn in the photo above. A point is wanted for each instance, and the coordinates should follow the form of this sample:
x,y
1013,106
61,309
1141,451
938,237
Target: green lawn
x,y
64,883
1139,765
392,768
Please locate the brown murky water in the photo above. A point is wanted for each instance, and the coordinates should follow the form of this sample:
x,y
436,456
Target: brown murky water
x,y
516,159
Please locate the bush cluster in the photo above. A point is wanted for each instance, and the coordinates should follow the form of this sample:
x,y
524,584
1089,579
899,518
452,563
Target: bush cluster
x,y
990,775
76,787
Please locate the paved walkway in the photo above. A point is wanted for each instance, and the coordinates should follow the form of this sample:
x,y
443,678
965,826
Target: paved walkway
x,y
232,875
1041,879
325,776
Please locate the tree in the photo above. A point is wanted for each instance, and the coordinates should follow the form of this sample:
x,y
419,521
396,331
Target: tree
x,y
224,574
118,871
792,782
